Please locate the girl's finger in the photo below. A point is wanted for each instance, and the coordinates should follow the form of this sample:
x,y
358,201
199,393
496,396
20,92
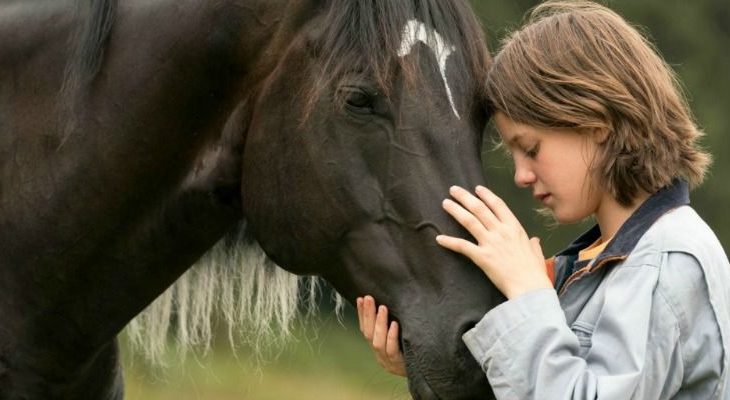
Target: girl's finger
x,y
458,245
497,206
368,320
395,355
467,220
380,333
392,348
358,305
475,206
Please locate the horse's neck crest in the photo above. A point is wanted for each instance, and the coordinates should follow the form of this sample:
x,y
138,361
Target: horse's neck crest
x,y
416,31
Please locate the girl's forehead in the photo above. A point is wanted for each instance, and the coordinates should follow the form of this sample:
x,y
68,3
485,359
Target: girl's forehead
x,y
510,130
516,134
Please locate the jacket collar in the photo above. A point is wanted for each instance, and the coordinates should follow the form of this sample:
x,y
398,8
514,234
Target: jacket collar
x,y
664,200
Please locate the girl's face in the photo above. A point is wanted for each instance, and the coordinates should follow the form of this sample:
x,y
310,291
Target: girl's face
x,y
555,164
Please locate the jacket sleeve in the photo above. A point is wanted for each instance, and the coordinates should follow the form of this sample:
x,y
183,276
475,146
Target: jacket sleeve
x,y
528,351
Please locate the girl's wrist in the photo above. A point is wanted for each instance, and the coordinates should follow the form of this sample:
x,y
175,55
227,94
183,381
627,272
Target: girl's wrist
x,y
519,290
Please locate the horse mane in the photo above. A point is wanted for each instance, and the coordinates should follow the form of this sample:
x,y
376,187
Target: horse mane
x,y
89,41
236,282
87,45
367,34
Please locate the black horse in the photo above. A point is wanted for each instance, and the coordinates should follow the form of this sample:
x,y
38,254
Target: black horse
x,y
136,135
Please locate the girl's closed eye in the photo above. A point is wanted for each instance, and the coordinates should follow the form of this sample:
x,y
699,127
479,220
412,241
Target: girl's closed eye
x,y
531,152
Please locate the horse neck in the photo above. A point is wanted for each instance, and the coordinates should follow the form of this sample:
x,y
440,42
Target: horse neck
x,y
73,248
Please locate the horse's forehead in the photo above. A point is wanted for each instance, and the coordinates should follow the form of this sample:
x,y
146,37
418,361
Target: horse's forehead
x,y
416,31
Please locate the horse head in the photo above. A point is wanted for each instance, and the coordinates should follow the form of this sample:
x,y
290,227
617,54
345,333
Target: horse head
x,y
345,178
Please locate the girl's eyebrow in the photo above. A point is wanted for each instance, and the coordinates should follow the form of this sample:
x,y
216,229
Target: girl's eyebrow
x,y
514,140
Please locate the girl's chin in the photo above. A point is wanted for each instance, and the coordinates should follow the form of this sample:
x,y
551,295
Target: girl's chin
x,y
568,218
567,221
562,217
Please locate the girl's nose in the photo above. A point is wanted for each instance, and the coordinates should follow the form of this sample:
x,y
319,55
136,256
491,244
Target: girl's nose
x,y
524,176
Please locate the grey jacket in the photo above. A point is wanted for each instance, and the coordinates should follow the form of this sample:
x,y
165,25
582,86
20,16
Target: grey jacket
x,y
649,318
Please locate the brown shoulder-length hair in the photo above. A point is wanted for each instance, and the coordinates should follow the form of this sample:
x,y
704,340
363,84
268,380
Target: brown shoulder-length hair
x,y
577,64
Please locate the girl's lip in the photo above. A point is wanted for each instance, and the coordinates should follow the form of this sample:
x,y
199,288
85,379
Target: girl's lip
x,y
542,197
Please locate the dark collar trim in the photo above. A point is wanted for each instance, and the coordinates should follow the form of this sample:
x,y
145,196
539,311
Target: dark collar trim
x,y
664,200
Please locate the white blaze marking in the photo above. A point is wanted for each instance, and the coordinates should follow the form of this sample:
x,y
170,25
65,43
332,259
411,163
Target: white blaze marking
x,y
416,31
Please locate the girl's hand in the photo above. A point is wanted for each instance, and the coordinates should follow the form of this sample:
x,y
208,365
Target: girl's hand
x,y
511,260
382,339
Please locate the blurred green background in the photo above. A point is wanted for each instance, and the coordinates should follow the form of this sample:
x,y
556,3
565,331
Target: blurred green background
x,y
329,360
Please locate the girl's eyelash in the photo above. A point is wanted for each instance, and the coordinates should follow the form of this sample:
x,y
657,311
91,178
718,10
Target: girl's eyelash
x,y
532,152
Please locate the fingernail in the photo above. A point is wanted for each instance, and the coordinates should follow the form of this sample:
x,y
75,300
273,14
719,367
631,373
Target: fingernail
x,y
439,238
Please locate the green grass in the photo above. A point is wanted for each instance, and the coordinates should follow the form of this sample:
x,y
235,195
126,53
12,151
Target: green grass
x,y
325,361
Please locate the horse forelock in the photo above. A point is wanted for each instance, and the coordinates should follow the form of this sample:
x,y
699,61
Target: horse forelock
x,y
234,282
368,36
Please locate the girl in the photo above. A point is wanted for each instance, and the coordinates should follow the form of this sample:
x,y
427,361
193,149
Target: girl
x,y
639,306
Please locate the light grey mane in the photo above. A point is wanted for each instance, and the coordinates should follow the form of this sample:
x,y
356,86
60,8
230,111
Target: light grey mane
x,y
256,299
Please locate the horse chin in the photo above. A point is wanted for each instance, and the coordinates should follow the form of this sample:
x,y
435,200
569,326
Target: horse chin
x,y
417,383
426,379
420,389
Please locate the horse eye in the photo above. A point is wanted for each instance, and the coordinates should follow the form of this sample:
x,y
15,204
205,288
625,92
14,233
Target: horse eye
x,y
357,100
